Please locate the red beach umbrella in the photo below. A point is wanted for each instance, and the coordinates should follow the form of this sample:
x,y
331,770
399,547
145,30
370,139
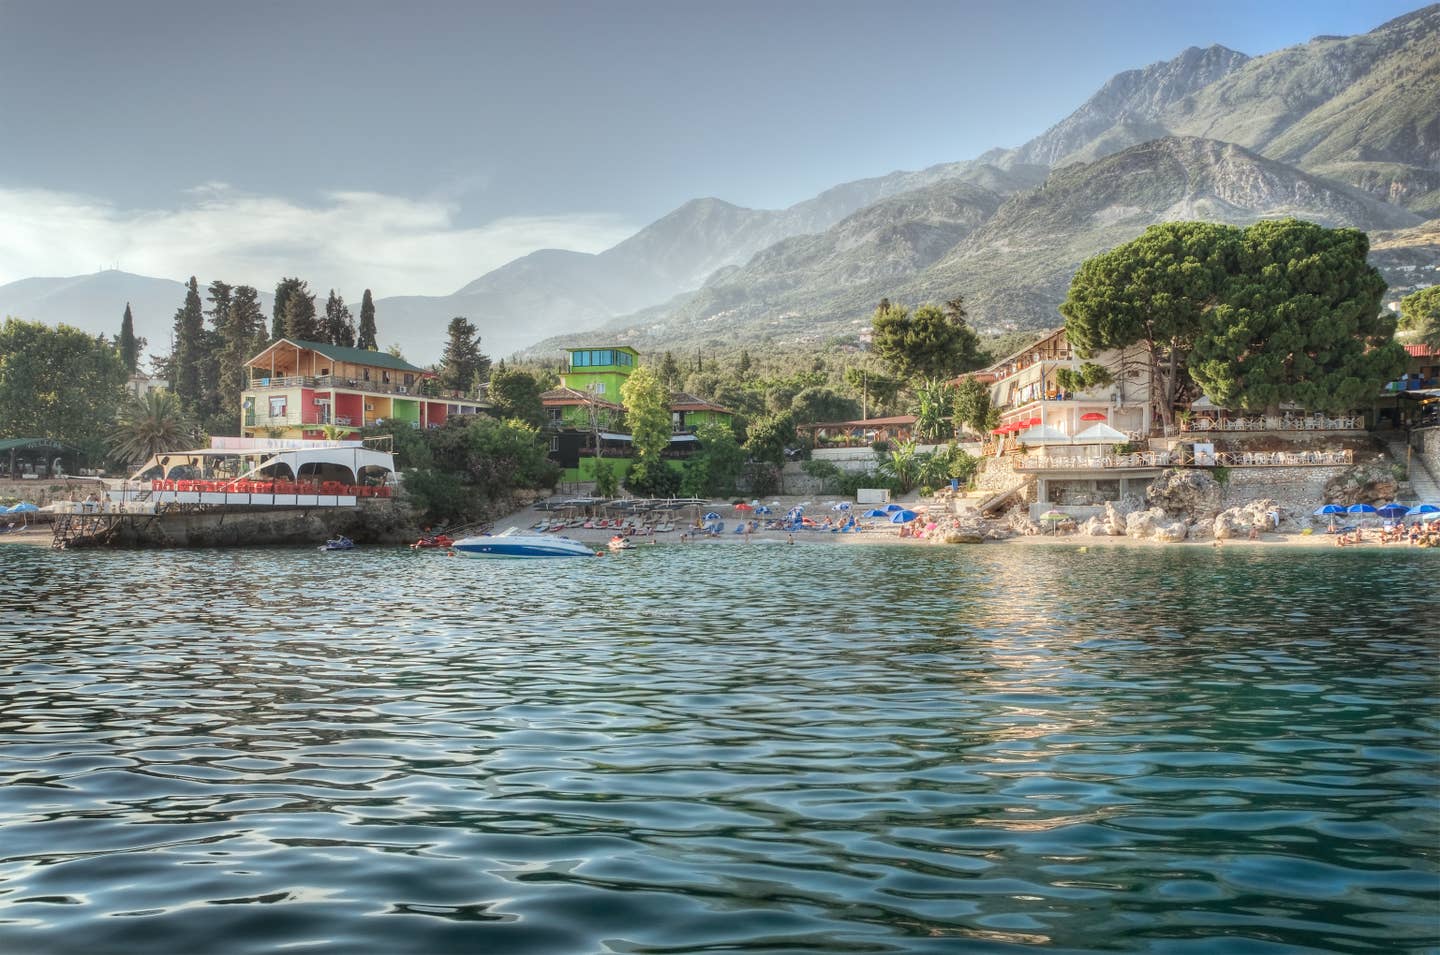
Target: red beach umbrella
x,y
1093,416
1032,422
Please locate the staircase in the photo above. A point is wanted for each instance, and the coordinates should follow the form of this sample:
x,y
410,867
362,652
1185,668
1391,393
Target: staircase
x,y
1423,485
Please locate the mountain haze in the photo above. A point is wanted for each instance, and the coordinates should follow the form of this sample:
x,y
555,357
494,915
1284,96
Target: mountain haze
x,y
1014,266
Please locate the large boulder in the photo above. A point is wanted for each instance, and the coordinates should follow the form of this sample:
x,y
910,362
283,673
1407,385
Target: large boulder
x,y
1185,493
1257,515
1141,524
1171,530
1372,483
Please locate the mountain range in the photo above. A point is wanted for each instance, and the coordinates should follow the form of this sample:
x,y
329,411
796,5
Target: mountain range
x,y
1339,130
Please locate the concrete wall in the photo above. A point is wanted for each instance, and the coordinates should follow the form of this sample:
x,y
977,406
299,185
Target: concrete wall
x,y
1426,442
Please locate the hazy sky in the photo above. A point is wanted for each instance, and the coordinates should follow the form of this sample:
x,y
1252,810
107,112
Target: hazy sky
x,y
413,146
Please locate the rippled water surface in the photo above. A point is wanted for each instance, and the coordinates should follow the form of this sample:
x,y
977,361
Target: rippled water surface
x,y
720,748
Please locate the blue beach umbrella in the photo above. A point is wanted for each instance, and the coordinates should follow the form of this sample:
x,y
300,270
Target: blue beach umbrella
x,y
842,506
892,508
1392,510
876,512
1329,509
1361,509
1419,509
763,509
24,507
712,516
903,516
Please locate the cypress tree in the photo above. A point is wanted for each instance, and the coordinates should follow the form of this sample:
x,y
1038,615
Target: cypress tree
x,y
366,336
188,352
129,344
243,339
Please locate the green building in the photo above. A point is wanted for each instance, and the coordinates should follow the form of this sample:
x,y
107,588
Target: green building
x,y
600,371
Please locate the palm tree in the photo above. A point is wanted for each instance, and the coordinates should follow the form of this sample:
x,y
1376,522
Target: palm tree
x,y
149,425
902,466
932,410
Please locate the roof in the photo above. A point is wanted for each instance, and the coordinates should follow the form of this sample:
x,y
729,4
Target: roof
x,y
571,396
900,419
1020,352
356,356
680,401
1421,350
21,444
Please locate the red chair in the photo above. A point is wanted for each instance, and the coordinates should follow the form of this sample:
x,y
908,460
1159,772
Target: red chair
x,y
157,485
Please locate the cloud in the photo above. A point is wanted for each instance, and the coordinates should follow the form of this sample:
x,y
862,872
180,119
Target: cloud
x,y
350,241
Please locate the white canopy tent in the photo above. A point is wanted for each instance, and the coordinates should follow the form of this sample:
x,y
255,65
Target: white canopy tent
x,y
1101,433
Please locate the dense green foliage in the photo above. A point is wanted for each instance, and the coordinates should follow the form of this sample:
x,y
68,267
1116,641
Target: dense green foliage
x,y
1420,315
241,337
150,425
934,410
1087,377
516,394
462,365
300,320
1300,322
58,383
470,468
820,403
971,407
1154,291
1281,311
647,414
365,335
933,342
714,469
283,290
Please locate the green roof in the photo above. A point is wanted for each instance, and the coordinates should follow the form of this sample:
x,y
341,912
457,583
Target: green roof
x,y
359,356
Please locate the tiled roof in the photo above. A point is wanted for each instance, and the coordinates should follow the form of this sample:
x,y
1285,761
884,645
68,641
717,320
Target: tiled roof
x,y
570,396
357,356
680,401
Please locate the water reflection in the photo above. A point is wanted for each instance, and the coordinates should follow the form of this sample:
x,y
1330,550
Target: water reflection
x,y
704,748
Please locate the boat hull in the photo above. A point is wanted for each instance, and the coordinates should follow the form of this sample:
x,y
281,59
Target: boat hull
x,y
523,546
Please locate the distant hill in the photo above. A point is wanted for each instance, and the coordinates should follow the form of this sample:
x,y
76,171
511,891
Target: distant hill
x,y
554,290
95,303
1013,266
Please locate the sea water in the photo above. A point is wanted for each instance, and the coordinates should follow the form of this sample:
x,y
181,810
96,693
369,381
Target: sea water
x,y
721,747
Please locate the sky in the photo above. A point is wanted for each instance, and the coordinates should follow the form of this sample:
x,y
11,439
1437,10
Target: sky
x,y
412,147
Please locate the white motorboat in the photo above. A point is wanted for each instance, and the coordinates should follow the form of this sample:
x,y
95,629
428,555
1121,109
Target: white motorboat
x,y
514,544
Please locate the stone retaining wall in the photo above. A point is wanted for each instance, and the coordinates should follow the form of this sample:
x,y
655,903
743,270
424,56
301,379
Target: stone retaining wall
x,y
1426,442
1298,490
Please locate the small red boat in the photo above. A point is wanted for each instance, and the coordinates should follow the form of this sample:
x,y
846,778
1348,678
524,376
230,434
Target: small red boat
x,y
424,543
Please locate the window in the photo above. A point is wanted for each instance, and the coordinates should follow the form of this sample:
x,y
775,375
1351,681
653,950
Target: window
x,y
277,407
556,414
599,387
555,443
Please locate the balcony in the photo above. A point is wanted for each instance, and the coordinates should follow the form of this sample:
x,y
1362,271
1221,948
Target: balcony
x,y
1178,458
323,382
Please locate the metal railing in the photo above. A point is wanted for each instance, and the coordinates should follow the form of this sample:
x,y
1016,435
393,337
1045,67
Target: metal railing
x,y
1274,423
353,384
1171,459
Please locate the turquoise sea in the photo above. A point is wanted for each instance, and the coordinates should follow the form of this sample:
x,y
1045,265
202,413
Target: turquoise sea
x,y
721,749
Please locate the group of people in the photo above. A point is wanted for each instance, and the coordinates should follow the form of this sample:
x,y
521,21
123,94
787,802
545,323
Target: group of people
x,y
1417,534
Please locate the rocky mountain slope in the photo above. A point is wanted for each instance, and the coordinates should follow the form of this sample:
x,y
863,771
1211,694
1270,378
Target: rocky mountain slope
x,y
1014,265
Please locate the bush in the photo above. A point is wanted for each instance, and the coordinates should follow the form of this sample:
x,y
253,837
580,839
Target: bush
x,y
661,481
880,447
606,484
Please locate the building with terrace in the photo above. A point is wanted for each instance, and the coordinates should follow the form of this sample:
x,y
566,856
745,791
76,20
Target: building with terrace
x,y
586,416
313,390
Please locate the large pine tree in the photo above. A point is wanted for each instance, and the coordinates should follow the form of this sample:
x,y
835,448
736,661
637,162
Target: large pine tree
x,y
339,326
244,338
218,294
366,336
283,290
300,321
129,345
188,351
462,362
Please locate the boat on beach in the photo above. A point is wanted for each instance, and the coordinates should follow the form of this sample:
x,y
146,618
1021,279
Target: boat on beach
x,y
514,544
